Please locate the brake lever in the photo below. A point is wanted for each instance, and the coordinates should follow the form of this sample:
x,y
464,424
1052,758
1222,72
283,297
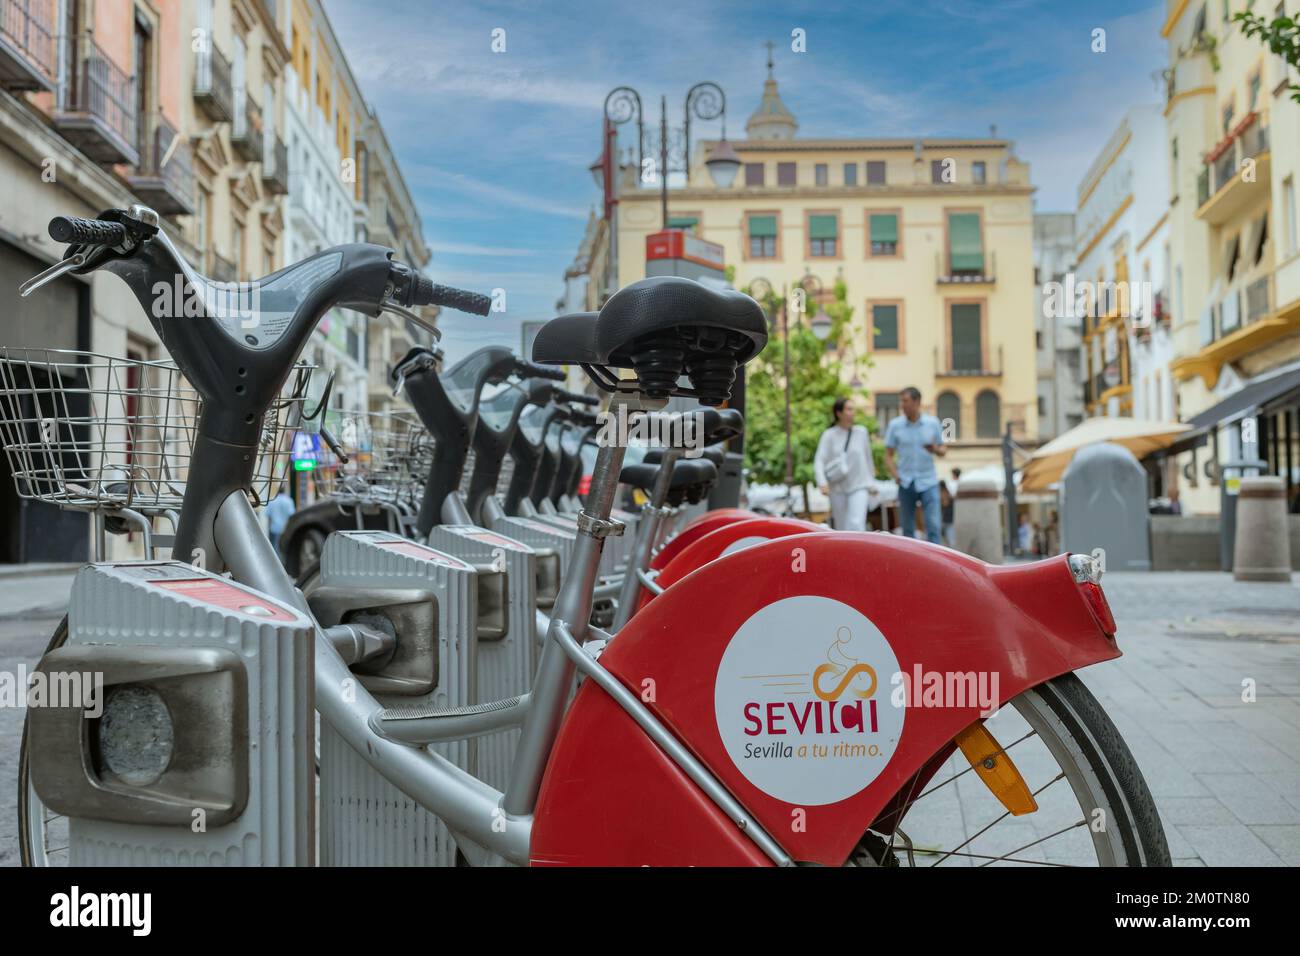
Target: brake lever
x,y
74,261
388,305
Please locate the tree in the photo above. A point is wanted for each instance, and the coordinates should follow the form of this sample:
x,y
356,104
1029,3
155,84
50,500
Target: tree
x,y
815,383
1281,35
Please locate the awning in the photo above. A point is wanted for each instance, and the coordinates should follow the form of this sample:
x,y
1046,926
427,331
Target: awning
x,y
1246,399
1047,464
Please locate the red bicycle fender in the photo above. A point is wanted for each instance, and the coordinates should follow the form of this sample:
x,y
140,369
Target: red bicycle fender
x,y
704,660
695,529
719,541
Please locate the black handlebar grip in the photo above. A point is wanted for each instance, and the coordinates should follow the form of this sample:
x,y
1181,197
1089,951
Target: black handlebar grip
x,y
430,293
97,232
533,370
575,398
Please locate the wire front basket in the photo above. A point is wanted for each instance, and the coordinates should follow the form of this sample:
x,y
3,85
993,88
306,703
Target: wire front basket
x,y
94,432
389,457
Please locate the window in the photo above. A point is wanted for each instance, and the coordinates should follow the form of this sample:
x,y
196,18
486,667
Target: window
x,y
886,330
875,172
965,244
886,408
1042,406
689,224
201,206
753,174
1173,162
785,174
978,173
1253,85
948,409
850,174
823,234
988,414
936,170
1233,256
1038,341
821,174
1228,112
762,237
966,342
237,241
1261,238
883,228
1288,211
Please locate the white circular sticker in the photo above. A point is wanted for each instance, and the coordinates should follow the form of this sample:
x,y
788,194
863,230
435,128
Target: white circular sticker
x,y
802,703
740,544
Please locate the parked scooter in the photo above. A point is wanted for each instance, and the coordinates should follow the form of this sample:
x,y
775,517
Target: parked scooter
x,y
765,700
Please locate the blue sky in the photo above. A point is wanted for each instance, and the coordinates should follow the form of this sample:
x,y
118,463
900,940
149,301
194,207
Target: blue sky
x,y
495,146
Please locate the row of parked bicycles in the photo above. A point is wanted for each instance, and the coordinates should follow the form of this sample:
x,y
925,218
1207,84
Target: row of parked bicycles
x,y
474,660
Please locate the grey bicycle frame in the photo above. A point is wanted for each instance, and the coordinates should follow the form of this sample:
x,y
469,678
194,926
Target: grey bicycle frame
x,y
490,826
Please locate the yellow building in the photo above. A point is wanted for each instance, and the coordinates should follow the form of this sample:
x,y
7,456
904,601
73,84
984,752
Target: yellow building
x,y
1234,152
933,239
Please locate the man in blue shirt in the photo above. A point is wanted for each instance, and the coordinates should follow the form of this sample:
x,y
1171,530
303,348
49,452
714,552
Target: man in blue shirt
x,y
911,442
278,513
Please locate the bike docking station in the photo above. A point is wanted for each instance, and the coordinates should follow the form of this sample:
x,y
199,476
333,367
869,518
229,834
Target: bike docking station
x,y
199,749
434,608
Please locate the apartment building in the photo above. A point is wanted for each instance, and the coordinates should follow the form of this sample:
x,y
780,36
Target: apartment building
x,y
933,239
181,105
1057,337
324,115
1234,153
1122,234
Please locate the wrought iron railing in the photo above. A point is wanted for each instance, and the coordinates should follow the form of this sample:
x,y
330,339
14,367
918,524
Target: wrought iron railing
x,y
212,83
222,269
27,32
167,157
100,89
275,164
246,131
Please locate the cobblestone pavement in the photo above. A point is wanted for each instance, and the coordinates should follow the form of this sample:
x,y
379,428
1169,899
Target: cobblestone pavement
x,y
1225,773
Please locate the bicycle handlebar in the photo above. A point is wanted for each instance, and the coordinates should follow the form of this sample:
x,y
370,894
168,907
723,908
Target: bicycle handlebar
x,y
427,292
529,369
73,229
575,398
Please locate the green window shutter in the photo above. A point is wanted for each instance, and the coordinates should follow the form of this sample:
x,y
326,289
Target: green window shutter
x,y
965,248
823,227
884,227
688,223
884,318
762,227
967,345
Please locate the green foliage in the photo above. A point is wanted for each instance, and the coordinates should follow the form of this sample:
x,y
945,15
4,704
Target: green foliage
x,y
1281,35
814,385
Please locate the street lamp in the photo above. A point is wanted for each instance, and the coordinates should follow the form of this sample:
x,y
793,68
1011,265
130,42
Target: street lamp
x,y
704,101
598,171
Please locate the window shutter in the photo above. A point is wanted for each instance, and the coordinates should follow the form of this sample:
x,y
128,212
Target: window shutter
x,y
823,227
884,227
687,223
965,248
967,347
762,227
884,319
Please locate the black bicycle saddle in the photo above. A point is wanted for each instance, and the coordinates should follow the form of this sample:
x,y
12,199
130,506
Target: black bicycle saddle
x,y
662,327
686,472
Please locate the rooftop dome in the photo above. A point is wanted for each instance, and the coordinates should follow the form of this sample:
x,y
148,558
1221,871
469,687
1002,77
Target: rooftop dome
x,y
771,120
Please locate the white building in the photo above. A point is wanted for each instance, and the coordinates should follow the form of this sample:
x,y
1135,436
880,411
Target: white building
x,y
323,116
1121,234
1060,384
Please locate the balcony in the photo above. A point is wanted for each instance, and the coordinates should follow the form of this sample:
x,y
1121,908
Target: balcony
x,y
986,274
967,366
28,55
97,113
164,178
275,165
246,131
212,90
1243,320
222,269
1227,186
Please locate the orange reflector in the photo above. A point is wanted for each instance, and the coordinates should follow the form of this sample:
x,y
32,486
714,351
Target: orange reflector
x,y
996,769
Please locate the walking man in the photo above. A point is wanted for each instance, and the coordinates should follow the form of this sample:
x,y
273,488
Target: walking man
x,y
911,442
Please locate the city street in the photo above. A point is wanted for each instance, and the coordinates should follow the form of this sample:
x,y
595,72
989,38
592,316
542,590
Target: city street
x,y
1225,773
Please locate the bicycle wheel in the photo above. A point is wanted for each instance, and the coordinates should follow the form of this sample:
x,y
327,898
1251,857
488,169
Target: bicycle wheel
x,y
42,836
1056,733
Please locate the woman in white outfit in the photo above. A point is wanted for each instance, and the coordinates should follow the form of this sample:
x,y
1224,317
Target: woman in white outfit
x,y
843,468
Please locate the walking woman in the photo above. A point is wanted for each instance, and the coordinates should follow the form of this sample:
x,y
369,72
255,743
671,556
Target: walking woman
x,y
843,468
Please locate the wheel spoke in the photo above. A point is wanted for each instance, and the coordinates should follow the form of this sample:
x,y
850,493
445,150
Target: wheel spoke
x,y
1072,826
996,821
